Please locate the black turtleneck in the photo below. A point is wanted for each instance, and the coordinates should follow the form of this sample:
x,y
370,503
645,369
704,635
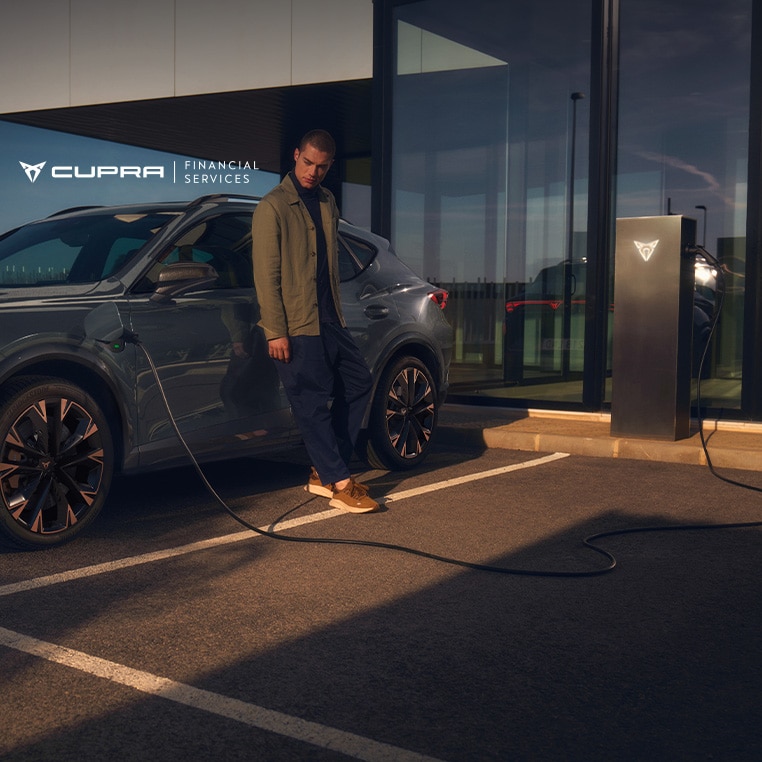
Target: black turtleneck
x,y
326,306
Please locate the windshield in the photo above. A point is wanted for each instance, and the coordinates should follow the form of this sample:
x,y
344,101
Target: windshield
x,y
76,249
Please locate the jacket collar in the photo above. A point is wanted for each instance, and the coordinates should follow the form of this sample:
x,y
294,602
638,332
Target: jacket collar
x,y
287,184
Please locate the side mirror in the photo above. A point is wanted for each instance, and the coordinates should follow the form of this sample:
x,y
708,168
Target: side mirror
x,y
180,277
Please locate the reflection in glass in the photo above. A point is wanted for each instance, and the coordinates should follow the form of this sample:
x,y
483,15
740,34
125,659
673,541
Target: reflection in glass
x,y
484,137
490,172
683,144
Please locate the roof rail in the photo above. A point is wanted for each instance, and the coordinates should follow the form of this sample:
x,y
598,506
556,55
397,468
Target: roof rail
x,y
219,196
75,209
191,204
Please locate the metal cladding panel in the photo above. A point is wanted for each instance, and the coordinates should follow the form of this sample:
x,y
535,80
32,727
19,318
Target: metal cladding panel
x,y
653,312
89,52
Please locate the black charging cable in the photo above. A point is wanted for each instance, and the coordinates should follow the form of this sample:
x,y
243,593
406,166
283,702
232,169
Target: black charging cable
x,y
133,338
588,542
720,300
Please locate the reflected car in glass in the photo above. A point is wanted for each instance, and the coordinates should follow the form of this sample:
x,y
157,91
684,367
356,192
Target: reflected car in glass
x,y
78,403
544,325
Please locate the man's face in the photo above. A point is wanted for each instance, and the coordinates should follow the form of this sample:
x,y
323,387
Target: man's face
x,y
311,166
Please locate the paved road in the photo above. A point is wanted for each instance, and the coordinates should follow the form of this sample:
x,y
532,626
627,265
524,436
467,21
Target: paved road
x,y
143,641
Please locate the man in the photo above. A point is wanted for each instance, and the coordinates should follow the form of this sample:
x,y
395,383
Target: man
x,y
296,274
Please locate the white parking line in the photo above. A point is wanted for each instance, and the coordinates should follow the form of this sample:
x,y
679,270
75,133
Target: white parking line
x,y
282,724
160,555
313,733
404,495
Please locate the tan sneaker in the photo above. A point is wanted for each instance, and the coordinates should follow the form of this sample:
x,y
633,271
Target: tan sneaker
x,y
316,487
353,498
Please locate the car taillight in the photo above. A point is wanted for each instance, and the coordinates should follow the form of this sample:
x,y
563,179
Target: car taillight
x,y
439,297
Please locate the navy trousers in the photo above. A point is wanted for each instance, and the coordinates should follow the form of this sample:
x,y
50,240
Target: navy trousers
x,y
328,386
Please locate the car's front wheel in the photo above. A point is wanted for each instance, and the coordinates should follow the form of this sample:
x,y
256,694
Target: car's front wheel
x,y
403,416
56,461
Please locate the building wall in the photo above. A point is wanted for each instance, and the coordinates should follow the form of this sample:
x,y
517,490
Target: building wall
x,y
62,53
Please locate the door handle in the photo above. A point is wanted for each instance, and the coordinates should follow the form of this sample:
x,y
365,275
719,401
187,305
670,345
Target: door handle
x,y
376,311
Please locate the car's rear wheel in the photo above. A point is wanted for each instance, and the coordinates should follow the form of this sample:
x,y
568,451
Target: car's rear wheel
x,y
56,461
403,416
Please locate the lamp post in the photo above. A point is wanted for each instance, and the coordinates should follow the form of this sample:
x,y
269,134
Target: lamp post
x,y
703,208
568,274
572,162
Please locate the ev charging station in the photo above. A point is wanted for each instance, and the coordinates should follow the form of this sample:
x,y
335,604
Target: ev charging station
x,y
653,327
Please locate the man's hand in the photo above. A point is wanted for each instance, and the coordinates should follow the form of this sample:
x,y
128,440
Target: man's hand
x,y
280,349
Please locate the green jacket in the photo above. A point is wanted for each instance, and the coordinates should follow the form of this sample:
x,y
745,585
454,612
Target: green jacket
x,y
284,250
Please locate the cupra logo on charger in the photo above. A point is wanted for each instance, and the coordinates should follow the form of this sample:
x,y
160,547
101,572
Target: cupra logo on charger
x,y
69,172
646,249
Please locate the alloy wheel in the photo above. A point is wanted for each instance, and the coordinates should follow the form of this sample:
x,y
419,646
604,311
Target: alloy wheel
x,y
410,412
53,466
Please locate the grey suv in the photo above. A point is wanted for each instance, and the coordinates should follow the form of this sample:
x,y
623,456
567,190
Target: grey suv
x,y
78,402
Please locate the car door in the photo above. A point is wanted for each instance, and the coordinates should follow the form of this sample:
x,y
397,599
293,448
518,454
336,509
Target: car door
x,y
209,352
369,309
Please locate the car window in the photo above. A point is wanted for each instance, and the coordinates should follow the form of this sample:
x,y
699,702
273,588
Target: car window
x,y
122,250
47,261
354,256
224,242
550,281
73,249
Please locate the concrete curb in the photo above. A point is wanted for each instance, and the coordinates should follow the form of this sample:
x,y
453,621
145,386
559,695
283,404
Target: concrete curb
x,y
733,445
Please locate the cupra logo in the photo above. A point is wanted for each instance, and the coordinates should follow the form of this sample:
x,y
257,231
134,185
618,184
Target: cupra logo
x,y
32,170
73,172
646,249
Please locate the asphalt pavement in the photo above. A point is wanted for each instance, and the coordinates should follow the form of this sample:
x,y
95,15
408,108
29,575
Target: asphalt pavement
x,y
170,632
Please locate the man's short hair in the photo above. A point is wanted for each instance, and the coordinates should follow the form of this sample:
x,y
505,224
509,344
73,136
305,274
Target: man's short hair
x,y
320,139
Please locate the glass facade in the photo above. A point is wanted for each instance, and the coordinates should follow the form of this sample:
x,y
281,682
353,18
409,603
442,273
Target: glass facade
x,y
489,173
684,95
490,157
